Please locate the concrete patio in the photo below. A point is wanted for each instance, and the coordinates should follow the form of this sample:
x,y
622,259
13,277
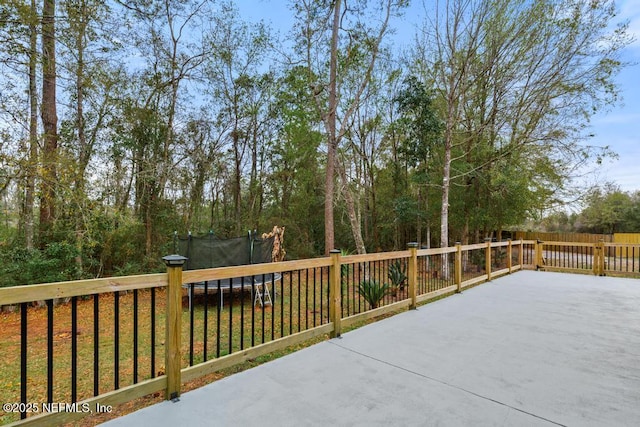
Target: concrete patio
x,y
531,348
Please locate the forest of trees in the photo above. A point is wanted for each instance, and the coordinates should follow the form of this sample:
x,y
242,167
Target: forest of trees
x,y
124,121
607,210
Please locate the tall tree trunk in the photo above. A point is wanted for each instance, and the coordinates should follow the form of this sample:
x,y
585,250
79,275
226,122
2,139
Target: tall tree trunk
x,y
444,212
84,152
237,180
428,221
374,213
329,183
49,121
148,222
196,196
254,184
354,218
32,160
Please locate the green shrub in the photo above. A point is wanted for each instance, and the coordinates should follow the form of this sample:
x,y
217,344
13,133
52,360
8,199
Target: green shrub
x,y
373,292
397,274
55,263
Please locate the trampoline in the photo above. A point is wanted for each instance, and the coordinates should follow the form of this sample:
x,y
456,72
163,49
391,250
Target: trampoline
x,y
258,285
209,251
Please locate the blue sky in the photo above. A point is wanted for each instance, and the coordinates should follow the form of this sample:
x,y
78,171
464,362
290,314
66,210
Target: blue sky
x,y
618,128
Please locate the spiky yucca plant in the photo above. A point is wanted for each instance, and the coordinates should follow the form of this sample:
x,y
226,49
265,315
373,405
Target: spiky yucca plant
x,y
397,274
373,292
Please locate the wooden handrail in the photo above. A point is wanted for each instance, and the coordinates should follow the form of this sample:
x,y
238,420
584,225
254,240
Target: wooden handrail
x,y
45,291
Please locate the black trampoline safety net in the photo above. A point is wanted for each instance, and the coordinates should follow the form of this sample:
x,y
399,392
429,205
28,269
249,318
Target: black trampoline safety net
x,y
208,251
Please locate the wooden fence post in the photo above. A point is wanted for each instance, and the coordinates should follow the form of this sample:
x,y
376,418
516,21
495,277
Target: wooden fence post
x,y
538,254
487,258
509,255
173,356
335,290
458,267
413,273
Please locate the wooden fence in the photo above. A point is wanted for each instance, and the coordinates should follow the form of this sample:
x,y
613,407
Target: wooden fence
x,y
563,237
626,239
138,339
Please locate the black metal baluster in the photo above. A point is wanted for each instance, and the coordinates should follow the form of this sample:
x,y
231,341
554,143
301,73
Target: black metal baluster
x,y
191,321
116,340
153,332
74,349
230,315
306,299
50,351
282,304
219,307
370,275
242,310
345,268
263,309
322,270
359,268
353,278
135,336
355,284
314,297
380,267
328,301
299,301
385,275
421,283
427,272
253,310
96,344
23,359
206,321
290,302
273,299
